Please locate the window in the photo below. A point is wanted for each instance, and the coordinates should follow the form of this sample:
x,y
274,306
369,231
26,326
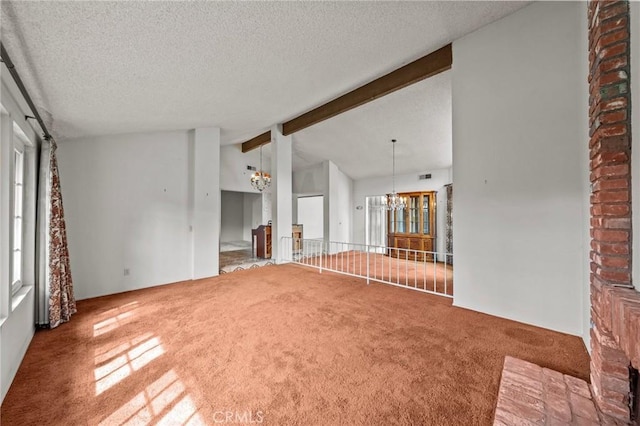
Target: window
x,y
18,216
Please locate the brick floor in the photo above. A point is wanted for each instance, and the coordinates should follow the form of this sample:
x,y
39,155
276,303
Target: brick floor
x,y
532,395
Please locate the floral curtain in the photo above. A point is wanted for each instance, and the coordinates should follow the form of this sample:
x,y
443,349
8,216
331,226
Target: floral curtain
x,y
56,302
62,303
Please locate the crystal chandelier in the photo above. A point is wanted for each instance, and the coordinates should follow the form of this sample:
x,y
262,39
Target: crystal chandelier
x,y
393,201
260,179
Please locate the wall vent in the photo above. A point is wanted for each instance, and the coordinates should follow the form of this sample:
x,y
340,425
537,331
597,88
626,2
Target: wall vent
x,y
252,168
423,177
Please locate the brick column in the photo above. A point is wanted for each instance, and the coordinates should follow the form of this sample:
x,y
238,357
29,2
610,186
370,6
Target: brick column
x,y
610,148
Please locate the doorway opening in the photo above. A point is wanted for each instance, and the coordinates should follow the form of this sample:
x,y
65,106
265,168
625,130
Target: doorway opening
x,y
240,213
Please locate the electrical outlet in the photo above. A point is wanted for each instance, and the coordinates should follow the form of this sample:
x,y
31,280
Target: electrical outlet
x,y
126,271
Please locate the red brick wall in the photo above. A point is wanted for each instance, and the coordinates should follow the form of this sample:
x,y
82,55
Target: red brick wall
x,y
615,305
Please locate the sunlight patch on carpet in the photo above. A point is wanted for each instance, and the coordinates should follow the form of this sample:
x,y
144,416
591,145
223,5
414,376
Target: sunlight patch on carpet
x,y
114,318
118,363
163,402
113,348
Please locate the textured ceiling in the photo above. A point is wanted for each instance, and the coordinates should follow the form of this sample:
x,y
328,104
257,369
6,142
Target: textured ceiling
x,y
101,67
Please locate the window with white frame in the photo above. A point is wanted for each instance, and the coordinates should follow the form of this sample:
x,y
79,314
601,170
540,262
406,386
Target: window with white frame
x,y
18,216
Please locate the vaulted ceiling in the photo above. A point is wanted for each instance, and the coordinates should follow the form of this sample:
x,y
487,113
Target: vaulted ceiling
x,y
109,67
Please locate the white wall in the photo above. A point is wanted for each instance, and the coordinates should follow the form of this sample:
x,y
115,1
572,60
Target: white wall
x,y
17,316
337,189
241,212
232,225
338,204
519,143
363,188
309,181
127,207
16,334
247,217
204,201
252,214
234,175
311,216
266,207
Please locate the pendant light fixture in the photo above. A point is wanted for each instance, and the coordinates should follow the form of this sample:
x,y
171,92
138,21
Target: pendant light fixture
x,y
259,179
394,201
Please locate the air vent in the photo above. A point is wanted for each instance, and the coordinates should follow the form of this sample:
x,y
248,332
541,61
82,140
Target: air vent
x,y
252,168
423,177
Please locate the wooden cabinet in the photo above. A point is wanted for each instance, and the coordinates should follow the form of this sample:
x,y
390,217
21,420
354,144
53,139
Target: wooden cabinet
x,y
413,228
261,236
261,240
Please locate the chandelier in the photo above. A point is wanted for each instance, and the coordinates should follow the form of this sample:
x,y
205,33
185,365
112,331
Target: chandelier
x,y
393,201
260,179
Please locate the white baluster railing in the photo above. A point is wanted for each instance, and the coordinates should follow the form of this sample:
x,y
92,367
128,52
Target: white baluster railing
x,y
426,271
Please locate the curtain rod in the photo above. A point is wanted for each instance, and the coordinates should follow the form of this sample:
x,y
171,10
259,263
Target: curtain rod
x,y
16,77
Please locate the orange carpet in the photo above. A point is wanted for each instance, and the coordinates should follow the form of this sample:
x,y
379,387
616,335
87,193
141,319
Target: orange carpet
x,y
279,345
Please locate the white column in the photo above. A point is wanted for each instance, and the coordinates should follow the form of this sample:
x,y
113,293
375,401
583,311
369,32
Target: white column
x,y
294,210
267,211
326,217
205,196
338,200
281,190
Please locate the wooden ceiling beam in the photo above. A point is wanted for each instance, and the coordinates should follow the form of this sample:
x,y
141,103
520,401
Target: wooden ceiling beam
x,y
418,70
256,142
427,66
